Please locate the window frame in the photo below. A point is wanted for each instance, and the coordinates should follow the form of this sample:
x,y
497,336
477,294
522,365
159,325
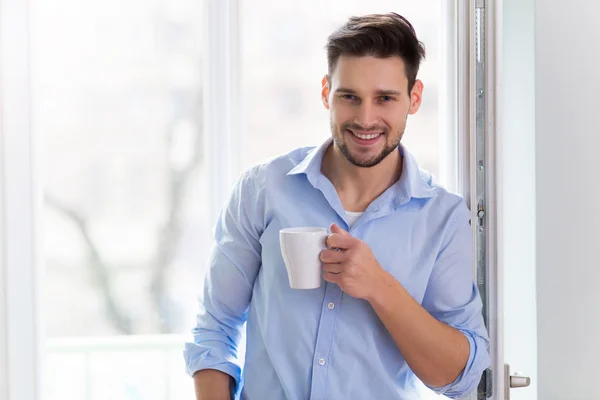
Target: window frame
x,y
222,105
21,322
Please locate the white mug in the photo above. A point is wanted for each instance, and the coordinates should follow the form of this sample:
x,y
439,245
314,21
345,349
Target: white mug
x,y
301,248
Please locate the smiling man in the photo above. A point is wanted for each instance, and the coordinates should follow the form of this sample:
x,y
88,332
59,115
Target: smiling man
x,y
398,302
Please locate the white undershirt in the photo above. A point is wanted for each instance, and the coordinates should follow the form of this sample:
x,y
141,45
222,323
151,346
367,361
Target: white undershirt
x,y
352,217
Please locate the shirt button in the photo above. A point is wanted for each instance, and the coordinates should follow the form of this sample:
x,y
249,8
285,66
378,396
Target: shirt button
x,y
321,361
331,306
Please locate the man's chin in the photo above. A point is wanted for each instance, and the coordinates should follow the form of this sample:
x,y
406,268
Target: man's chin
x,y
362,162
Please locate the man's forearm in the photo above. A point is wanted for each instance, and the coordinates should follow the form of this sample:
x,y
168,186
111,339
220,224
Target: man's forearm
x,y
211,384
436,352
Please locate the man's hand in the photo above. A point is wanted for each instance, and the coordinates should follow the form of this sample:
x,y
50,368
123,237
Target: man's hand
x,y
351,265
436,352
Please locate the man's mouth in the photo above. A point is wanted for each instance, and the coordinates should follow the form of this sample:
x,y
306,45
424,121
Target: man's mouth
x,y
365,135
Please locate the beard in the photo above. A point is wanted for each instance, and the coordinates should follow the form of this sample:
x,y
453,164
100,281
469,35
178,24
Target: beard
x,y
355,159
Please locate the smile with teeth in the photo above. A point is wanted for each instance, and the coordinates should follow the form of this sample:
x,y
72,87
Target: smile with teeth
x,y
366,137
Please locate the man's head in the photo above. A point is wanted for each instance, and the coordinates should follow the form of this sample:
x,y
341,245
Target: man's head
x,y
371,85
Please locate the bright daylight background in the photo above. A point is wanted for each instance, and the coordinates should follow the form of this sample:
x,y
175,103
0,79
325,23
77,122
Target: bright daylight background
x,y
118,100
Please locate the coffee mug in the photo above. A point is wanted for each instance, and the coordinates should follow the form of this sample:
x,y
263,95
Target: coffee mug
x,y
301,248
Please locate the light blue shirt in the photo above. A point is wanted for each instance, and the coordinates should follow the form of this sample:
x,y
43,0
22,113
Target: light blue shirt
x,y
322,343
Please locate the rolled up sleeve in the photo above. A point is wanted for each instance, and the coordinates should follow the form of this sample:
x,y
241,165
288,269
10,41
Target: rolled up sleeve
x,y
453,298
234,262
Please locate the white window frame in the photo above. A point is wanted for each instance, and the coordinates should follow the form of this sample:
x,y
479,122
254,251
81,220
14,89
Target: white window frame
x,y
21,347
222,104
469,163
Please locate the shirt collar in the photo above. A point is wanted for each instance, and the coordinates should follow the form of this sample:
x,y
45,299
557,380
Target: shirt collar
x,y
311,164
412,184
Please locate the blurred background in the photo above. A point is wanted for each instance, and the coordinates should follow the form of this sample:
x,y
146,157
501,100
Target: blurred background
x,y
118,101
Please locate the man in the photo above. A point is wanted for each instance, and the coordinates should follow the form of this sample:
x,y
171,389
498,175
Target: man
x,y
397,302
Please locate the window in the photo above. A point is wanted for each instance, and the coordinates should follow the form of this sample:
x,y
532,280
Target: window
x,y
118,105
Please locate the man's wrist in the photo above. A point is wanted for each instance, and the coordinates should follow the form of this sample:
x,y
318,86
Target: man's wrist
x,y
384,283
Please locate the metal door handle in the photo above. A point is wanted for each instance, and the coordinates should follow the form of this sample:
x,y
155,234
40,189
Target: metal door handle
x,y
514,381
518,380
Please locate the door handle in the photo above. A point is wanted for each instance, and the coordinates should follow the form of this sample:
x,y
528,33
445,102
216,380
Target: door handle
x,y
513,381
519,381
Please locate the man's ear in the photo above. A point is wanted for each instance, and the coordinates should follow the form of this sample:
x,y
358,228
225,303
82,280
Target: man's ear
x,y
325,91
416,96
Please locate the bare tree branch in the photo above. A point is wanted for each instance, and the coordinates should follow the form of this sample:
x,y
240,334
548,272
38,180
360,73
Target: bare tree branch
x,y
170,236
99,268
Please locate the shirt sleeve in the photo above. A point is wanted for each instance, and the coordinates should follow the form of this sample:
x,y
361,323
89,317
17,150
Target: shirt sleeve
x,y
234,262
452,297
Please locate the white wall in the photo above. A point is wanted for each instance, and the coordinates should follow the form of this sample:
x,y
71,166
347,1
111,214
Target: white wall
x,y
550,127
517,136
568,215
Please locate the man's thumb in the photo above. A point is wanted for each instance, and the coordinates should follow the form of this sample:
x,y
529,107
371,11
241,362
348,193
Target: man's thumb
x,y
334,228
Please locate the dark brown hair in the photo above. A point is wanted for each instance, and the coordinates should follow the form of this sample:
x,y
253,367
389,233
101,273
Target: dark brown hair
x,y
377,35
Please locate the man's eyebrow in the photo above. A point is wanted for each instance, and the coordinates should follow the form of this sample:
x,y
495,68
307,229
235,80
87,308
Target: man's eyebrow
x,y
387,93
380,92
345,90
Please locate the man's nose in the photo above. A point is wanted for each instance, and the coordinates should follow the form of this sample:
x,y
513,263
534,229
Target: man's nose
x,y
367,115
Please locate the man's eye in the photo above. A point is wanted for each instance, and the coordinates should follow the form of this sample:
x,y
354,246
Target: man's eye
x,y
386,98
349,97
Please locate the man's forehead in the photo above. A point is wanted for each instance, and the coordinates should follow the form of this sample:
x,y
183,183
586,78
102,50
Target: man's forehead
x,y
368,73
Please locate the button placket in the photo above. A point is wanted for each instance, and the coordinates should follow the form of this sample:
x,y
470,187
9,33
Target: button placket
x,y
325,332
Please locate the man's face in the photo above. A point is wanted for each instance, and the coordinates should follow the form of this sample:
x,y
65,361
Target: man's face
x,y
369,102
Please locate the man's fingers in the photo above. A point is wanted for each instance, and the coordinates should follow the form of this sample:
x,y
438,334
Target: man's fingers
x,y
332,256
339,241
335,228
332,268
339,238
331,277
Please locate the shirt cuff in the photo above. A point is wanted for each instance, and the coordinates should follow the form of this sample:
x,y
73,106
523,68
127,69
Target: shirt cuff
x,y
212,355
469,378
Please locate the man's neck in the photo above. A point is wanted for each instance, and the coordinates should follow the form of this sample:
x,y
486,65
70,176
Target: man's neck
x,y
358,186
